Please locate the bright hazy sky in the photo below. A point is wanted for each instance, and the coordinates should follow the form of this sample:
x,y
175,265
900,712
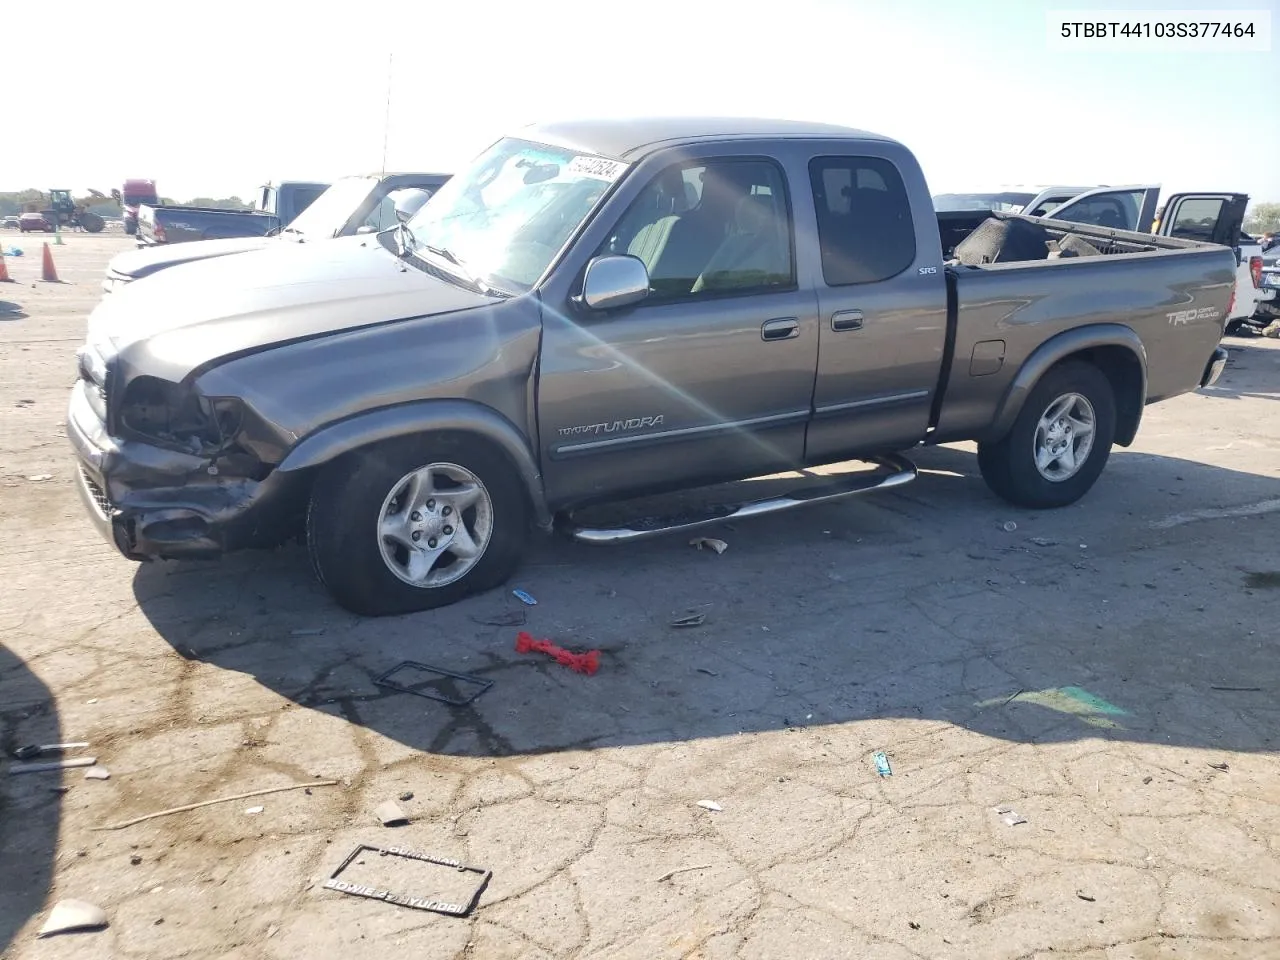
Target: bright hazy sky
x,y
215,98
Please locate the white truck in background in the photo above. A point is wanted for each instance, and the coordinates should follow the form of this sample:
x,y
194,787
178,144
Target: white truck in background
x,y
1195,216
1268,310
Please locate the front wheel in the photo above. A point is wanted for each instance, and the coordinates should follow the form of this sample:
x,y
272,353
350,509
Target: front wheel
x,y
415,524
1059,442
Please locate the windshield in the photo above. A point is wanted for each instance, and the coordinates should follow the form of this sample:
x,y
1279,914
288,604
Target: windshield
x,y
507,215
1003,202
325,217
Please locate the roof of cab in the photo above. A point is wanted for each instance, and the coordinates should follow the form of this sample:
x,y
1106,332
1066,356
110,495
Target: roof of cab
x,y
633,137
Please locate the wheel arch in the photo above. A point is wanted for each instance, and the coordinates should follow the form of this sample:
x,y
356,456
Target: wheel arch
x,y
1113,348
462,418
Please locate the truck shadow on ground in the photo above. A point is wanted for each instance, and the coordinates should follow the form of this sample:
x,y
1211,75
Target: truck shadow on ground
x,y
29,809
1247,355
1117,618
11,311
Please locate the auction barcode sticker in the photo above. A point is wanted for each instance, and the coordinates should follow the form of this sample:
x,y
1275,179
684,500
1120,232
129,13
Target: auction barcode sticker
x,y
1155,31
598,168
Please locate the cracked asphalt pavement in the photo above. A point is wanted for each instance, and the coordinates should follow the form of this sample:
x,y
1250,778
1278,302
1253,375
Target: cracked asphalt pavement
x,y
1108,672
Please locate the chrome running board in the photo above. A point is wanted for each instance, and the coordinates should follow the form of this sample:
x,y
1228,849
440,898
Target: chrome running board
x,y
896,471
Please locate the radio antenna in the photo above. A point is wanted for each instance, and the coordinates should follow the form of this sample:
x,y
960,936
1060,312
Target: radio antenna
x,y
386,122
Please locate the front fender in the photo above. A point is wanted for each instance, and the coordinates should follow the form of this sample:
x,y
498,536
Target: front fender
x,y
1079,340
427,416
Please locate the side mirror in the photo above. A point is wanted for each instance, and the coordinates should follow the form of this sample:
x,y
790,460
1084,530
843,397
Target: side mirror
x,y
366,228
615,281
408,202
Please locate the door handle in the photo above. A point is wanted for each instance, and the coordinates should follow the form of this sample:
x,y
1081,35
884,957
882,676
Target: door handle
x,y
846,320
784,328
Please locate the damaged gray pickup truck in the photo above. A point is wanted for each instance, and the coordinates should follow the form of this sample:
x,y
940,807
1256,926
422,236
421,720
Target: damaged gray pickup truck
x,y
596,311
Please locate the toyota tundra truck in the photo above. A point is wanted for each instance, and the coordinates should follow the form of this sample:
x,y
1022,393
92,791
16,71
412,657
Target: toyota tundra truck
x,y
596,311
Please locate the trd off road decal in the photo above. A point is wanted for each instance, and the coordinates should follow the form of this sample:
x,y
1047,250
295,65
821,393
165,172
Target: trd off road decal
x,y
1180,317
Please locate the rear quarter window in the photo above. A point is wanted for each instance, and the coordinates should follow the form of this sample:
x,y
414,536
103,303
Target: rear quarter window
x,y
865,230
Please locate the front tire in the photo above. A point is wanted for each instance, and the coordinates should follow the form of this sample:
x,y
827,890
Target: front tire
x,y
1059,442
415,524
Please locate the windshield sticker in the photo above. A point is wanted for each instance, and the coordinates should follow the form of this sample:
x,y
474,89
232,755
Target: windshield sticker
x,y
598,168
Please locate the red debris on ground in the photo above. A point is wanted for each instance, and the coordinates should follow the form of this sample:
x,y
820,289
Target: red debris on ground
x,y
587,663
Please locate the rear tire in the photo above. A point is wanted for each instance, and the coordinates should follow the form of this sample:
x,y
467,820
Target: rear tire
x,y
365,507
1044,461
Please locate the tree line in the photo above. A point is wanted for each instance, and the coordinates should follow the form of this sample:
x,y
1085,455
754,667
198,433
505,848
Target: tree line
x,y
1263,218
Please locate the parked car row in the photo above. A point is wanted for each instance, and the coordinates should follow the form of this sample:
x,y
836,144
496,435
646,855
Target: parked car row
x,y
595,311
360,204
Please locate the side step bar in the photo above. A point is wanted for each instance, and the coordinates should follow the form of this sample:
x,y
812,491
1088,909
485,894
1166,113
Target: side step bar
x,y
896,471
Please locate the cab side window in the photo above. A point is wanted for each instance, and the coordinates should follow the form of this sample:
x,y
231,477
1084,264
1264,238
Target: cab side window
x,y
711,228
1196,218
1118,210
383,215
865,230
303,197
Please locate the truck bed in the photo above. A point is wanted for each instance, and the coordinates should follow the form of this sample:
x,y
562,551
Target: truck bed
x,y
185,223
1172,294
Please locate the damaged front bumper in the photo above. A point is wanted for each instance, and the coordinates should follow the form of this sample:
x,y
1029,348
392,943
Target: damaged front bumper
x,y
153,503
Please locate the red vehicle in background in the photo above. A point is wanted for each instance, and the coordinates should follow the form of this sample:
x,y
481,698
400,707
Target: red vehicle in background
x,y
134,194
33,220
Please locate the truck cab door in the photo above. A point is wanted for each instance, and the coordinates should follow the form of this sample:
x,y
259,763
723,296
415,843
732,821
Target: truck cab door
x,y
1207,217
1131,208
709,378
882,301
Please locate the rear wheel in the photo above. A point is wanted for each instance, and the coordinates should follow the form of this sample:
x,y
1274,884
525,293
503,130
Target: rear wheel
x,y
415,524
1059,442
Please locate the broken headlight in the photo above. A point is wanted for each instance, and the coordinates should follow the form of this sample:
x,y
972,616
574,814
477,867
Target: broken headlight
x,y
177,416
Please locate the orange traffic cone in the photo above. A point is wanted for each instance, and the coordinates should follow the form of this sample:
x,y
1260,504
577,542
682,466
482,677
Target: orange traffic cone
x,y
48,273
4,271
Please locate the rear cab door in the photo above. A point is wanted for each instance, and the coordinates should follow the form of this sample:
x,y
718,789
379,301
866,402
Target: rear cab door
x,y
710,378
882,299
1219,218
1207,217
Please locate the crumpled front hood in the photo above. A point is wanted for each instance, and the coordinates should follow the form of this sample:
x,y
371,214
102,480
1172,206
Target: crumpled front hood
x,y
184,319
137,264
